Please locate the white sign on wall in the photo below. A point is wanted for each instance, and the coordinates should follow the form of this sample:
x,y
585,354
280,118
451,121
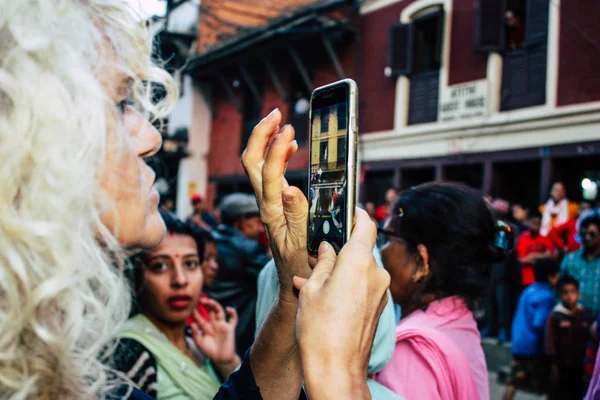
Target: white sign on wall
x,y
464,101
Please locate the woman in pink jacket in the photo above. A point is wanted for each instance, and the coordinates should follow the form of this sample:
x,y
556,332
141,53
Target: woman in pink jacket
x,y
441,242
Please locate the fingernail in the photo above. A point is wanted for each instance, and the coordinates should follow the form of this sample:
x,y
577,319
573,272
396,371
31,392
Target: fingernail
x,y
323,247
290,198
294,141
272,113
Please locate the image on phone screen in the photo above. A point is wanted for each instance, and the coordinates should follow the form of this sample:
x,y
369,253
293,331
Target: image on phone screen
x,y
328,180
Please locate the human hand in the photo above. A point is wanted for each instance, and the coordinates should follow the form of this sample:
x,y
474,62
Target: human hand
x,y
215,337
283,209
339,308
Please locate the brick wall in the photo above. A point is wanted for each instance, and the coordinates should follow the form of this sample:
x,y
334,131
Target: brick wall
x,y
579,52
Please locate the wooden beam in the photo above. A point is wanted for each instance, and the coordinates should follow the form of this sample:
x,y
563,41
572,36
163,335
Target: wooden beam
x,y
229,91
275,79
546,174
488,177
440,175
253,89
301,68
333,57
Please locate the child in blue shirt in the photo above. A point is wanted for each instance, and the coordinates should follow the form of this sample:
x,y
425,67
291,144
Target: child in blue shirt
x,y
530,367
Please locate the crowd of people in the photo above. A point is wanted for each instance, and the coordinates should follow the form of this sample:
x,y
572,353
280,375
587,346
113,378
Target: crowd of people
x,y
543,295
105,296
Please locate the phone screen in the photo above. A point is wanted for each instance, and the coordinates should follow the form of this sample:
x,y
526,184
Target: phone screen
x,y
328,167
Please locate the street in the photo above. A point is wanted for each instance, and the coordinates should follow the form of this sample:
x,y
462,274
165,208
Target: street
x,y
497,390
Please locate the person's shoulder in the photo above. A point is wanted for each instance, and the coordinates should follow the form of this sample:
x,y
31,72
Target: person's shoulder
x,y
573,256
128,349
537,293
523,237
137,362
587,314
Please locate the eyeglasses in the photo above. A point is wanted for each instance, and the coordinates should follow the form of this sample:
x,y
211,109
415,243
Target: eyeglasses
x,y
389,234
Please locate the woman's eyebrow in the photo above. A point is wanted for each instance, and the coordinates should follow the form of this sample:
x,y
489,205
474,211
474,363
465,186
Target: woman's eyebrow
x,y
125,86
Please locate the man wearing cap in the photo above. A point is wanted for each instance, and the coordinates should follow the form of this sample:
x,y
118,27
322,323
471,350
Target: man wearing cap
x,y
201,217
241,257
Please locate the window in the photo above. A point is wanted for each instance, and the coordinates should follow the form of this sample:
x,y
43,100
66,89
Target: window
x,y
415,50
514,22
323,152
519,30
325,120
427,43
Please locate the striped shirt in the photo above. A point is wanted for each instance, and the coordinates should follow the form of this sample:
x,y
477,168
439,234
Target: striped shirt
x,y
587,273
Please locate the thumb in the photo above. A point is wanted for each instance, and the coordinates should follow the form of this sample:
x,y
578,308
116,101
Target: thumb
x,y
295,209
299,282
325,264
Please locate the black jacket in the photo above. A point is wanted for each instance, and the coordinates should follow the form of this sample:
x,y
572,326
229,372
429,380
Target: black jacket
x,y
240,261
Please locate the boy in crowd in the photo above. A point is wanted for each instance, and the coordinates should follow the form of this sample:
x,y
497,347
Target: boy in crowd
x,y
567,332
529,369
532,246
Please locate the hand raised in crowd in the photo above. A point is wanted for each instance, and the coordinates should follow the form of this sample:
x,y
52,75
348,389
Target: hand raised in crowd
x,y
283,208
339,309
215,337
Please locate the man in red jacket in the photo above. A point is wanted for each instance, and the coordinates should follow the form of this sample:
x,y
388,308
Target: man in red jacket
x,y
532,246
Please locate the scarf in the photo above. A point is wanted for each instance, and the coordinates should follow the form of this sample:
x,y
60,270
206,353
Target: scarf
x,y
453,376
179,378
554,214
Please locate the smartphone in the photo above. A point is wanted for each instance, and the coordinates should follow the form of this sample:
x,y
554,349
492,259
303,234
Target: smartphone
x,y
333,141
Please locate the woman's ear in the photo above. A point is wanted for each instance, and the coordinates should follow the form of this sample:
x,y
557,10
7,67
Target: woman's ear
x,y
422,267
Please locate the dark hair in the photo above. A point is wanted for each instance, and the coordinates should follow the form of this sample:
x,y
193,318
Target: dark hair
x,y
566,280
592,219
175,225
457,227
544,268
534,214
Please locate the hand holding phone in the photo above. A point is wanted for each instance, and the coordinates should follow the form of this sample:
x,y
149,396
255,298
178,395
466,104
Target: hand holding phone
x,y
332,175
283,208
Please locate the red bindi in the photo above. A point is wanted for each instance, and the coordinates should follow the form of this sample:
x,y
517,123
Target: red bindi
x,y
177,256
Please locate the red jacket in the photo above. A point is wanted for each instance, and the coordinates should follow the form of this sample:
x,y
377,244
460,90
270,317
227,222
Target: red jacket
x,y
526,245
567,230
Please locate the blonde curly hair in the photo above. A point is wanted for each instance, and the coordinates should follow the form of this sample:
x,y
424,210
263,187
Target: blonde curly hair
x,y
61,296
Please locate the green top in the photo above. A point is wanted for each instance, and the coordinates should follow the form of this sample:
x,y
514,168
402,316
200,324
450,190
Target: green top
x,y
179,378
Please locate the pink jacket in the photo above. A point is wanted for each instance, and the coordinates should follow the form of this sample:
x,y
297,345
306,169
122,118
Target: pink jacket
x,y
438,355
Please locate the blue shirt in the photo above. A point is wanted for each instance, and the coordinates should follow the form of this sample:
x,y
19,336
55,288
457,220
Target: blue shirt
x,y
534,308
587,274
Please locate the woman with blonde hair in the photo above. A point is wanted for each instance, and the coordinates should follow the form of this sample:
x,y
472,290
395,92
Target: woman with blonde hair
x,y
75,191
76,195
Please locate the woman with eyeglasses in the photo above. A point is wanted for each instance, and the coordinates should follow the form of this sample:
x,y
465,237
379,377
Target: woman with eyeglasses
x,y
441,242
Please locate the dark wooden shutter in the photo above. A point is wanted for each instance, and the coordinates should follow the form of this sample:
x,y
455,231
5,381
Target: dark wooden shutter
x,y
536,25
400,49
490,33
524,78
423,98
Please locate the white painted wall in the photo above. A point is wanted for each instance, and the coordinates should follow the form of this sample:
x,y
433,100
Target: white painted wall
x,y
184,19
192,111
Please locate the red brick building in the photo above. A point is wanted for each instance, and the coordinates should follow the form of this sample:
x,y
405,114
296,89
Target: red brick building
x,y
503,97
